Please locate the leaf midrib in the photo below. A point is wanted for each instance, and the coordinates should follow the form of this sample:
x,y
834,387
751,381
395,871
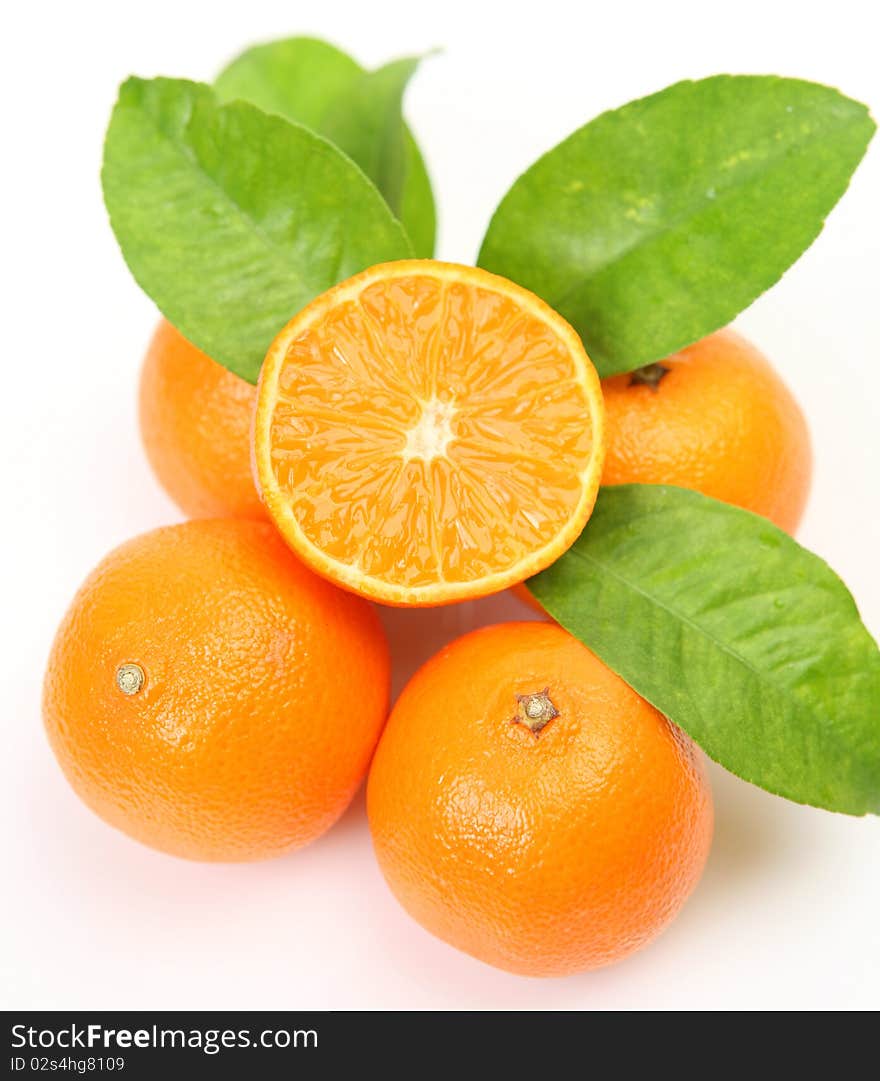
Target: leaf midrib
x,y
762,677
185,151
738,179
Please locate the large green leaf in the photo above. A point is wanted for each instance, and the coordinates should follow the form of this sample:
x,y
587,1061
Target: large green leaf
x,y
367,123
417,210
317,85
741,637
657,223
232,220
297,78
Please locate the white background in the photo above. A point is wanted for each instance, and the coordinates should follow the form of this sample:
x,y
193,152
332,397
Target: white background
x,y
787,914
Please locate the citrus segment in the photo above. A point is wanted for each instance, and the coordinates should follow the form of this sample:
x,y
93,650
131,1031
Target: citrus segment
x,y
428,432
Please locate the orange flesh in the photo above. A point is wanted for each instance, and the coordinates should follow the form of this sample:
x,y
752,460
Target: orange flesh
x,y
429,432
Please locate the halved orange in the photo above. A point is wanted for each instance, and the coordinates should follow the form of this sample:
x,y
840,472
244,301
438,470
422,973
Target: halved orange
x,y
427,432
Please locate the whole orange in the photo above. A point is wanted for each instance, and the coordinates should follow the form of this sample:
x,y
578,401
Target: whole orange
x,y
195,418
531,809
715,417
211,697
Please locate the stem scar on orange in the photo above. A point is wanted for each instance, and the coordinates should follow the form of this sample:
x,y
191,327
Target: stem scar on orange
x,y
427,433
715,417
211,697
529,808
195,418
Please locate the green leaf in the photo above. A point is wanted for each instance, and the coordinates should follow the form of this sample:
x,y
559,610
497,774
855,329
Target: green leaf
x,y
367,123
657,223
233,220
298,78
317,85
744,639
417,210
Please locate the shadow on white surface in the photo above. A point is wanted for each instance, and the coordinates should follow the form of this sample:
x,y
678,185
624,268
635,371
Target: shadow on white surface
x,y
415,634
753,833
320,929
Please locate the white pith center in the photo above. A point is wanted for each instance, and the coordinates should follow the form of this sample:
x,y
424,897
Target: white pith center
x,y
432,434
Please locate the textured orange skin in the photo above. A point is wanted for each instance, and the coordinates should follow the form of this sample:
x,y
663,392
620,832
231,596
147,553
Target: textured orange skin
x,y
195,418
541,854
266,690
721,421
